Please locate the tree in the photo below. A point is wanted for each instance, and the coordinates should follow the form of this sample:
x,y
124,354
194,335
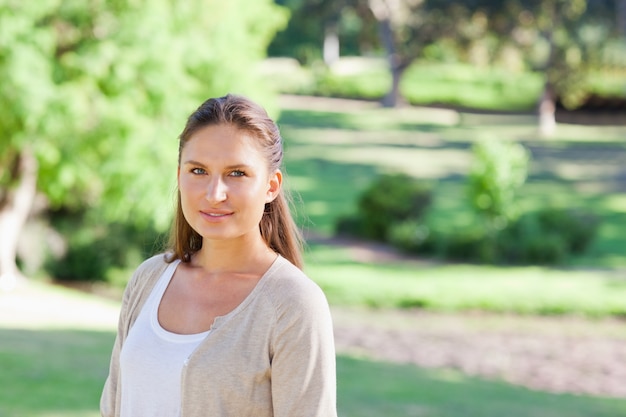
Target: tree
x,y
564,40
407,27
318,27
399,22
556,21
94,93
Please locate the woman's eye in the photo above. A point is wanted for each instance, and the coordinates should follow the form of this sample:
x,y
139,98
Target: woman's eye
x,y
237,173
198,171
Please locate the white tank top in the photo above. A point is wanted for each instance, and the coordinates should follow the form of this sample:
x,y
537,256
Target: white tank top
x,y
152,360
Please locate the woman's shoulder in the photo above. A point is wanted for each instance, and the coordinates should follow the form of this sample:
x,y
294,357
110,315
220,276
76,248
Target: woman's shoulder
x,y
149,270
288,284
154,264
290,277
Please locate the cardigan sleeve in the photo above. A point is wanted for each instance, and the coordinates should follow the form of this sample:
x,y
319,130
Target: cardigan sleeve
x,y
303,365
110,396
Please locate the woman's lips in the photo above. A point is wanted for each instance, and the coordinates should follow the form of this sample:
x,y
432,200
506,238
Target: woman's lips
x,y
215,215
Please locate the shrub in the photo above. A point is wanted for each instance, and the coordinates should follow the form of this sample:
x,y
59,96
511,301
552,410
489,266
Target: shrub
x,y
547,236
578,228
499,170
94,248
390,199
413,236
544,237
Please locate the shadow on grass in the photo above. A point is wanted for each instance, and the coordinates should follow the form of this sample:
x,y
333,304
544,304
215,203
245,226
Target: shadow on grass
x,y
328,189
369,388
351,122
52,372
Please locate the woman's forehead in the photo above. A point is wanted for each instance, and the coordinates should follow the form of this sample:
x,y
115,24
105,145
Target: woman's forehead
x,y
223,141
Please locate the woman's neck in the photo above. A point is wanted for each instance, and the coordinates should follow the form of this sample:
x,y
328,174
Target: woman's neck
x,y
234,255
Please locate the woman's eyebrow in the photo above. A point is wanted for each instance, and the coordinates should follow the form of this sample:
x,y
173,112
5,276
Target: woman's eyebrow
x,y
192,162
232,166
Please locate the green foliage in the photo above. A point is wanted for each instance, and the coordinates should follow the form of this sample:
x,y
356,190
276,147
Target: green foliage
x,y
94,248
413,236
391,198
309,22
499,170
391,209
547,236
101,90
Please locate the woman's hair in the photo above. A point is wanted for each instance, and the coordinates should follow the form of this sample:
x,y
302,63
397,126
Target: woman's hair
x,y
277,226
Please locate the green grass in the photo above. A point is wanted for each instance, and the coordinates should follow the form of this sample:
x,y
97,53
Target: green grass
x,y
331,156
461,287
56,368
428,82
334,154
470,86
374,389
55,372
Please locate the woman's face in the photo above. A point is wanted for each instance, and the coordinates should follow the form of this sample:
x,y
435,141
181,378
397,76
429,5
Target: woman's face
x,y
224,183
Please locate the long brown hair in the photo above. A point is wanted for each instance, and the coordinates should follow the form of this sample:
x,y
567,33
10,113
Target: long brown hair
x,y
277,226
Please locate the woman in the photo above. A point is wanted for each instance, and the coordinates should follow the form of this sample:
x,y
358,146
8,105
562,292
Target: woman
x,y
225,323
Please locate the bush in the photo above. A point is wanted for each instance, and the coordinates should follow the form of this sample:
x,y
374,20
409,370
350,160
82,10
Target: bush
x,y
499,170
547,236
93,249
578,228
392,210
413,236
390,199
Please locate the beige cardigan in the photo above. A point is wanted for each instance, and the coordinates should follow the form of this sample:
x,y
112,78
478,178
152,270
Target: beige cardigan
x,y
272,356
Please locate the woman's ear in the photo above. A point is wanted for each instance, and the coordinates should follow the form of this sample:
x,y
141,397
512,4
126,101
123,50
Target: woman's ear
x,y
274,184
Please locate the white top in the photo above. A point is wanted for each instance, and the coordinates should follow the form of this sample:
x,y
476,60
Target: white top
x,y
153,358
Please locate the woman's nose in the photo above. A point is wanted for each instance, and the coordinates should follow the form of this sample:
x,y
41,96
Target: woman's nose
x,y
216,191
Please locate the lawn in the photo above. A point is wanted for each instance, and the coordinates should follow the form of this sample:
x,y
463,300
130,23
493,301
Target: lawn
x,y
55,346
332,154
462,287
334,149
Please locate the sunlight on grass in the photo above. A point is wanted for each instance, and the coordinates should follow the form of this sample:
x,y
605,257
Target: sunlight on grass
x,y
615,203
39,306
54,352
525,290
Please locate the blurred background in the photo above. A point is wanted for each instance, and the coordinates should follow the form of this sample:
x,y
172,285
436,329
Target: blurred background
x,y
458,167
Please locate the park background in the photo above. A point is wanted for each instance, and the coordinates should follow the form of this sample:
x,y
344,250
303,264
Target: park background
x,y
458,168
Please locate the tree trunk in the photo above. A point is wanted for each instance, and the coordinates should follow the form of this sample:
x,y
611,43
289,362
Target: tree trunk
x,y
394,97
331,50
547,102
15,205
621,16
547,111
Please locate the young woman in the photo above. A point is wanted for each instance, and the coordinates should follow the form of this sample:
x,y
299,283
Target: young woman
x,y
225,323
